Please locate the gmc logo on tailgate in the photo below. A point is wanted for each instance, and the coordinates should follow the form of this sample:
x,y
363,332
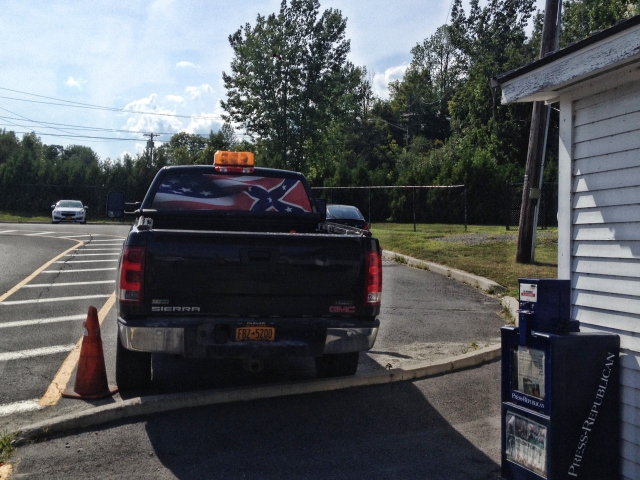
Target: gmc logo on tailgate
x,y
339,309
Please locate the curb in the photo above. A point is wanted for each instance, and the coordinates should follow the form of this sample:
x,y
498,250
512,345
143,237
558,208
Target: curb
x,y
513,305
148,405
485,284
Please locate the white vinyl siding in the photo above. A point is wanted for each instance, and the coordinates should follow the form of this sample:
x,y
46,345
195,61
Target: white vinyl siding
x,y
605,238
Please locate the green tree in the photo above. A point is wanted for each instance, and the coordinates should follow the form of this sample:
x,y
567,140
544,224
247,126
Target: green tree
x,y
289,79
437,68
223,139
493,40
9,145
183,149
580,18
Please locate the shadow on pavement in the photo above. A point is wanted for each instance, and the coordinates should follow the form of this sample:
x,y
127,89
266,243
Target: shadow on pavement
x,y
175,374
444,427
388,431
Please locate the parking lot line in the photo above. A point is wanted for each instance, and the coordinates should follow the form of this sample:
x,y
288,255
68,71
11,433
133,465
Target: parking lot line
x,y
54,299
93,254
60,380
17,407
92,243
6,295
8,231
39,233
86,261
113,239
34,352
40,321
85,249
66,284
80,270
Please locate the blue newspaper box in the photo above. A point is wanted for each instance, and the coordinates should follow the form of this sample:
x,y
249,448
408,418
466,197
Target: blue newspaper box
x,y
560,391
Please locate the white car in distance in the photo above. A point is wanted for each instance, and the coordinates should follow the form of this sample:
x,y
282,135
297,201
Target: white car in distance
x,y
68,211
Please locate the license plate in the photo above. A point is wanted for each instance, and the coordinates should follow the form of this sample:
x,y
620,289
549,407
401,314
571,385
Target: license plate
x,y
267,334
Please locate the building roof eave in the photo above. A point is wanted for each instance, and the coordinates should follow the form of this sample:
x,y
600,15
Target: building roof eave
x,y
541,79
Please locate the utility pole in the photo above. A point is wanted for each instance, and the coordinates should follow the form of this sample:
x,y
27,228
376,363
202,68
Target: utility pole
x,y
539,121
150,144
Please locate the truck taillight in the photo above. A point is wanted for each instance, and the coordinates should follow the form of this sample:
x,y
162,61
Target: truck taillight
x,y
132,275
373,284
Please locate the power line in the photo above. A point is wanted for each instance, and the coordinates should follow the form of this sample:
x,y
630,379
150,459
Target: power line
x,y
79,127
28,119
70,103
65,135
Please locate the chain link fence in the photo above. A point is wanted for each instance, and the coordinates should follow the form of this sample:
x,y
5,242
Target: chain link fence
x,y
452,204
405,204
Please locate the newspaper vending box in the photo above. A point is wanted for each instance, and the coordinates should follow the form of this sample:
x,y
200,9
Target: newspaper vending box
x,y
560,392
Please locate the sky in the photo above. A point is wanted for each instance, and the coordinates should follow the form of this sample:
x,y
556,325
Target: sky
x,y
165,57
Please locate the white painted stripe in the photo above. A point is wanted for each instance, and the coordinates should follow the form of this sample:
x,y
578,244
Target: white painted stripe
x,y
80,270
76,236
34,234
40,321
17,407
99,249
36,352
8,231
93,244
66,284
108,240
86,261
92,254
55,299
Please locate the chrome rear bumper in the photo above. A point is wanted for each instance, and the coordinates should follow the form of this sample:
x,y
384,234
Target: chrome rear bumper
x,y
171,340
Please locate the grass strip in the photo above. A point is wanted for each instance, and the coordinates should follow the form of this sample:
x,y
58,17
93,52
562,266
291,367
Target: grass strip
x,y
28,218
488,251
6,446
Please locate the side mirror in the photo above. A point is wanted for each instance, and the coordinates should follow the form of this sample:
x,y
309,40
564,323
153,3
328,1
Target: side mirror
x,y
52,207
85,207
321,206
115,205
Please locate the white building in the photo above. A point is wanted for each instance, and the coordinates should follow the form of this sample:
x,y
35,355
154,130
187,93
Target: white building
x,y
597,84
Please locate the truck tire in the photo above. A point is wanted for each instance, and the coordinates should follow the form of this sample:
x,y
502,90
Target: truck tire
x,y
133,369
337,365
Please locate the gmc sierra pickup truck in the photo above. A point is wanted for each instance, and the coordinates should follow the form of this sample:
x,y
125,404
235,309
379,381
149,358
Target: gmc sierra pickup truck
x,y
232,261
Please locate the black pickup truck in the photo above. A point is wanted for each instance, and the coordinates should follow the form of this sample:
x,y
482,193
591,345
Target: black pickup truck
x,y
239,262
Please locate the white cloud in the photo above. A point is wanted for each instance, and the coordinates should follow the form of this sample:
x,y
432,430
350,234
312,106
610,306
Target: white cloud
x,y
166,124
197,92
186,65
201,125
381,80
151,122
75,83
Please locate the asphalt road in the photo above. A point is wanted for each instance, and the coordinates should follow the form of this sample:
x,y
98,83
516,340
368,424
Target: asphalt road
x,y
424,317
42,319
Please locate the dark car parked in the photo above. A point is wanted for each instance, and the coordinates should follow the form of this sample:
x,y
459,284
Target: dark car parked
x,y
346,215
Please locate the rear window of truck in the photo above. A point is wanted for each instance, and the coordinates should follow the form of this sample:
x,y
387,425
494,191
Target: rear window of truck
x,y
246,193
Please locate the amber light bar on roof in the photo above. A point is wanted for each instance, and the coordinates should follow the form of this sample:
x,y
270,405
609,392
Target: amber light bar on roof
x,y
233,162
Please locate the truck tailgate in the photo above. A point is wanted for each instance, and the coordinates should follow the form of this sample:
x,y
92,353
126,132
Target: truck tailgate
x,y
254,274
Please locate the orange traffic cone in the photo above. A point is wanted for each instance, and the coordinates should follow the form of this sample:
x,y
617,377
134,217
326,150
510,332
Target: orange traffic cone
x,y
91,378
